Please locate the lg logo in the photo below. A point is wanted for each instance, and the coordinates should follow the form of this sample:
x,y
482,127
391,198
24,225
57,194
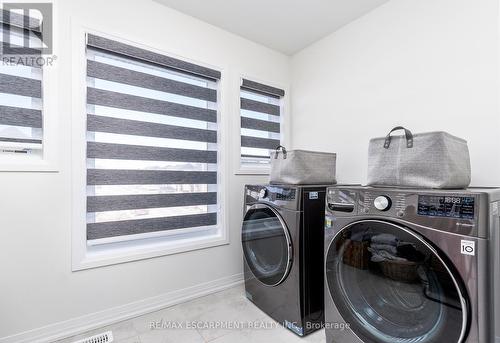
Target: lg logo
x,y
468,247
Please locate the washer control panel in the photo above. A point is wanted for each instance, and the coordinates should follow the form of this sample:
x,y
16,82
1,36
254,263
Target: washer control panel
x,y
452,211
399,204
282,196
271,193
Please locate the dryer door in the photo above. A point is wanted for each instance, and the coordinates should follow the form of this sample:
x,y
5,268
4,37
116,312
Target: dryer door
x,y
391,285
266,244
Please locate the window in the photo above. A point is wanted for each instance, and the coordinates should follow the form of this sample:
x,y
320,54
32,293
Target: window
x,y
21,124
151,146
261,117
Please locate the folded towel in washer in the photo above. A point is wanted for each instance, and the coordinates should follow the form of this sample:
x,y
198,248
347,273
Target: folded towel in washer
x,y
385,238
386,247
382,255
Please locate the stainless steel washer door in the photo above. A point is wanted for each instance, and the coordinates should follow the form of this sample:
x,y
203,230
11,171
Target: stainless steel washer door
x,y
266,244
391,285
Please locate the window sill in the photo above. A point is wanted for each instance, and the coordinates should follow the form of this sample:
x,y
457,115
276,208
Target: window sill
x,y
253,170
27,164
144,249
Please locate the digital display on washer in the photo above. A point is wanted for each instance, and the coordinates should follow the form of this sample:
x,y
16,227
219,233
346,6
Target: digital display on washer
x,y
446,206
284,194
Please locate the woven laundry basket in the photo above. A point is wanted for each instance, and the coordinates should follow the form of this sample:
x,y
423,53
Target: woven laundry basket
x,y
302,167
425,160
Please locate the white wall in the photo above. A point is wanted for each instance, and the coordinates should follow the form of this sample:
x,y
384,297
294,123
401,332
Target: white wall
x,y
425,64
37,287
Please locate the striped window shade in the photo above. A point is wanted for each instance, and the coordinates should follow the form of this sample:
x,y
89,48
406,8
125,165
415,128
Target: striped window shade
x,y
260,111
152,166
20,85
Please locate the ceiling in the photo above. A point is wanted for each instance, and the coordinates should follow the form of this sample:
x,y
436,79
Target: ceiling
x,y
284,25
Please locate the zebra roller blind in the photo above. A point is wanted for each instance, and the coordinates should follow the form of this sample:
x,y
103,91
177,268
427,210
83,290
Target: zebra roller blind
x,y
21,123
260,111
151,143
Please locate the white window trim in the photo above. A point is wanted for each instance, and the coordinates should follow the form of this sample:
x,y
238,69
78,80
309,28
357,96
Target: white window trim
x,y
82,258
284,123
49,160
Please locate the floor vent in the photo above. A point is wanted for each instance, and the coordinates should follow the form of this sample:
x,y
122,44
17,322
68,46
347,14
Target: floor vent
x,y
105,337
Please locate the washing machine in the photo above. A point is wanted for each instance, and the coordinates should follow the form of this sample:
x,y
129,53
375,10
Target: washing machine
x,y
282,240
408,265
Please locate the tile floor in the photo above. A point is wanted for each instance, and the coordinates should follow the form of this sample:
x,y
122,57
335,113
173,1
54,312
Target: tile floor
x,y
229,305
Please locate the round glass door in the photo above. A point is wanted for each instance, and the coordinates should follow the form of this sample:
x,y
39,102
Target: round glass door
x,y
392,286
266,244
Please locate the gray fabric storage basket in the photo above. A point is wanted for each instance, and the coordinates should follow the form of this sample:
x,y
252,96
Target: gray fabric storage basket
x,y
426,160
302,167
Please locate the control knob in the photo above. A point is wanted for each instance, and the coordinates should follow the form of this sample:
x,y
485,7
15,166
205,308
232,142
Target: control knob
x,y
382,203
263,193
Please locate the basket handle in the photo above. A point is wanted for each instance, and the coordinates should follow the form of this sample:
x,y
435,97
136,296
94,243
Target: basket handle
x,y
282,148
408,136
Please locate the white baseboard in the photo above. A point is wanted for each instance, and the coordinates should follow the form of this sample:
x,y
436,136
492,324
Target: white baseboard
x,y
113,315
